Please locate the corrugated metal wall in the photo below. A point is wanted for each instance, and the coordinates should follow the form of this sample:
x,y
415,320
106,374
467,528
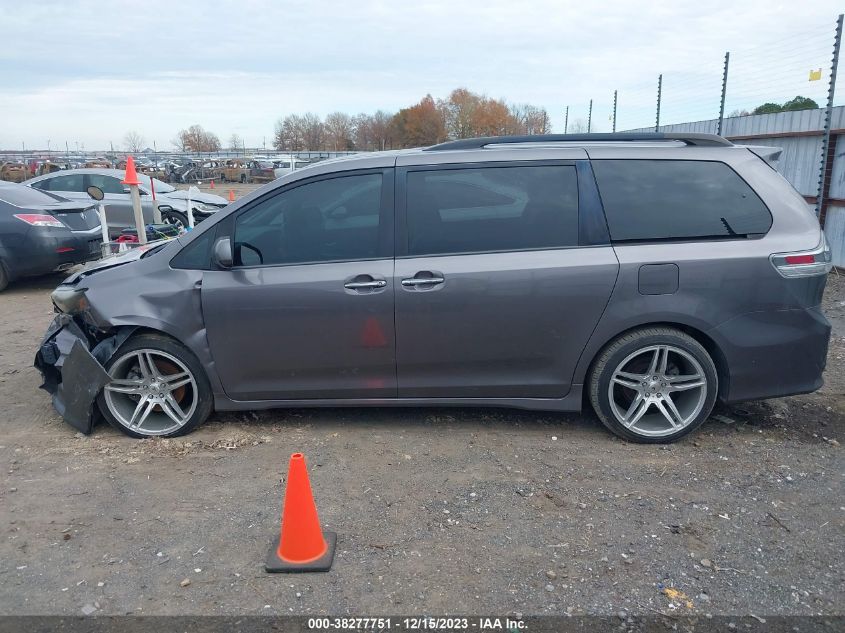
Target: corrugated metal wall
x,y
834,223
801,158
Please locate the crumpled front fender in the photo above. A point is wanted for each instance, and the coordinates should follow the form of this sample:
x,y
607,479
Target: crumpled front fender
x,y
73,372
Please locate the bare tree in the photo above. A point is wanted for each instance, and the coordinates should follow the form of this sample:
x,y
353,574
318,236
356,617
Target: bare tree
x,y
380,129
197,139
577,126
235,142
289,134
339,129
362,131
530,119
313,132
133,142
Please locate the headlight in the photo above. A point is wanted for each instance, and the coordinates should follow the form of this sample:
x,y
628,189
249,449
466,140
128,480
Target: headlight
x,y
70,300
205,208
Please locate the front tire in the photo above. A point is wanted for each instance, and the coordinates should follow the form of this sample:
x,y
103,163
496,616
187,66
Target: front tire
x,y
175,218
158,388
4,277
653,385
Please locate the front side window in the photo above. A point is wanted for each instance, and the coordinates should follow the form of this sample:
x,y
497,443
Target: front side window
x,y
108,184
492,209
677,199
328,220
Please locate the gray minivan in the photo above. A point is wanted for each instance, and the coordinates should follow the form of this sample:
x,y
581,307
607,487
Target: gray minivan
x,y
645,275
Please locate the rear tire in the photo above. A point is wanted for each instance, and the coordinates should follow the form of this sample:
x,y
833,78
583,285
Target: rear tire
x,y
653,385
159,388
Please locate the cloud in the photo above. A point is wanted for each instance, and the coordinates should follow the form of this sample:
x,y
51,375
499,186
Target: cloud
x,y
89,71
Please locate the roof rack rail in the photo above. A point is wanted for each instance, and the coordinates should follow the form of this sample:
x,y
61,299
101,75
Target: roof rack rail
x,y
698,140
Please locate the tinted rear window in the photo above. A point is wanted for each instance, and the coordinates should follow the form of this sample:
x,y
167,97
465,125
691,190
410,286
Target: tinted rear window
x,y
677,199
22,196
492,209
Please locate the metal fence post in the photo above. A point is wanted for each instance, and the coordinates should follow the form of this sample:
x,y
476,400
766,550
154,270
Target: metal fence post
x,y
614,110
659,91
566,121
834,64
724,91
590,117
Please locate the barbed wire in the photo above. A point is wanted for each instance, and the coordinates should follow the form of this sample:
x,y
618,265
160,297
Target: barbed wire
x,y
772,72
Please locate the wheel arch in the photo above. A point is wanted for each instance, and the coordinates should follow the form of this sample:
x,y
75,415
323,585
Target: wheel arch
x,y
705,340
196,344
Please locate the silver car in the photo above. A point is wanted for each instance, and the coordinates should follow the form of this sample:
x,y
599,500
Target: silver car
x,y
644,275
173,204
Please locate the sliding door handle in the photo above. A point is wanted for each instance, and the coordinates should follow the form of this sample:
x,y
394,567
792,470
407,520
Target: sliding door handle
x,y
422,281
357,285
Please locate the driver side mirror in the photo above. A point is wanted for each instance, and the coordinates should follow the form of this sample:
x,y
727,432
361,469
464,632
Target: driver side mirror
x,y
222,253
95,192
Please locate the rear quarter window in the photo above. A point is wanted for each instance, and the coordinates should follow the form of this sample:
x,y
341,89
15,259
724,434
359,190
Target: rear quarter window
x,y
677,199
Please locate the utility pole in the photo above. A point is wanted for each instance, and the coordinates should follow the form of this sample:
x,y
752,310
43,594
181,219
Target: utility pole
x,y
823,171
590,117
659,94
566,121
614,110
724,91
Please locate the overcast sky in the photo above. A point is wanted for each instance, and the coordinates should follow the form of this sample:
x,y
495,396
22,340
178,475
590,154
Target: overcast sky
x,y
87,72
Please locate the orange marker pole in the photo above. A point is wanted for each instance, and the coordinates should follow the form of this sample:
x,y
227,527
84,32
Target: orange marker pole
x,y
156,210
131,179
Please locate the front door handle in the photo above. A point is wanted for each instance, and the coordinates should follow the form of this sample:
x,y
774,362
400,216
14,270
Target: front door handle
x,y
358,285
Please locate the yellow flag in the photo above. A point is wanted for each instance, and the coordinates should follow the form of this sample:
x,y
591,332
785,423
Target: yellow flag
x,y
815,75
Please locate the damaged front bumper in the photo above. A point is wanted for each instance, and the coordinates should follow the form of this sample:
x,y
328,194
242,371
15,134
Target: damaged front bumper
x,y
72,364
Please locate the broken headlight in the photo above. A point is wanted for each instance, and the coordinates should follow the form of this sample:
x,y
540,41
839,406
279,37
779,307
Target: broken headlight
x,y
70,300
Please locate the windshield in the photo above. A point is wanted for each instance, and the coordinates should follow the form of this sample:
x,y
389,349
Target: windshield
x,y
21,196
161,187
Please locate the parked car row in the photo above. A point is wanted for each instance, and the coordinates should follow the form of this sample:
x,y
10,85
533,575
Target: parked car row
x,y
50,222
173,203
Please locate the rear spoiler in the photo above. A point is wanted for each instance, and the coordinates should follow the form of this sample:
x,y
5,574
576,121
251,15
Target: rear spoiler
x,y
768,154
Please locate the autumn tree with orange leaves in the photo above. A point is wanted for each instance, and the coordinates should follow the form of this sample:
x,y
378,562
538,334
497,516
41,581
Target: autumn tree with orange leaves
x,y
463,114
421,124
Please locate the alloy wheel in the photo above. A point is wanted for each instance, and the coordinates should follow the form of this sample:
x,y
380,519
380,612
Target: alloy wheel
x,y
174,220
657,390
151,392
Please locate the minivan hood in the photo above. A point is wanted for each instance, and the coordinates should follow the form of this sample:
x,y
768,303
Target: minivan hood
x,y
132,255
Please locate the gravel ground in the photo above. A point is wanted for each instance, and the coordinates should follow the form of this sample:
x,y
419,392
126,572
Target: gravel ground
x,y
438,511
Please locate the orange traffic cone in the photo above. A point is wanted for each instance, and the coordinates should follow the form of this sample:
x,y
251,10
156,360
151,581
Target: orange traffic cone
x,y
131,177
212,183
231,195
302,545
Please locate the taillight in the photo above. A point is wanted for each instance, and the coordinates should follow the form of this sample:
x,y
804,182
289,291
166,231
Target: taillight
x,y
804,263
39,219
